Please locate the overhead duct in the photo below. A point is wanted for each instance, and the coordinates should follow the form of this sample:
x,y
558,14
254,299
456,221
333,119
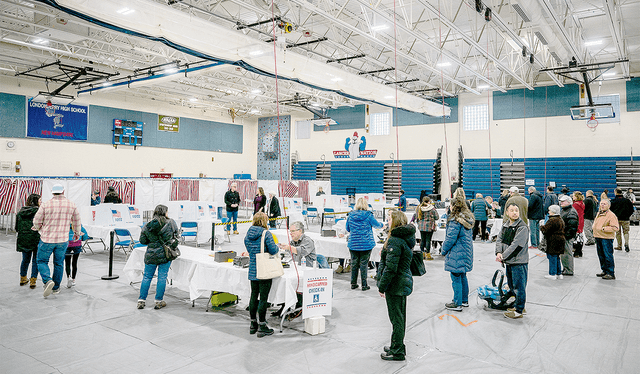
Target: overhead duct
x,y
531,13
182,31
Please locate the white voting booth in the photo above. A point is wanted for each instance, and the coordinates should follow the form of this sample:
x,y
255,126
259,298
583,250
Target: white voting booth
x,y
293,209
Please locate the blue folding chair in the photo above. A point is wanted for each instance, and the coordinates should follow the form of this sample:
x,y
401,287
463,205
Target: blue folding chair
x,y
312,212
123,243
332,216
189,229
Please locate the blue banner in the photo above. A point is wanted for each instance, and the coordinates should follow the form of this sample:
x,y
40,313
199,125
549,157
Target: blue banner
x,y
68,122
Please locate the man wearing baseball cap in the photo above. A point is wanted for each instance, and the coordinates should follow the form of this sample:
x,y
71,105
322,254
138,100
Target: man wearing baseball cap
x,y
52,221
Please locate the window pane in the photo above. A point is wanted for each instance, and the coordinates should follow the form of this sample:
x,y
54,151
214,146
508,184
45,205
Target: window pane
x,y
379,123
476,117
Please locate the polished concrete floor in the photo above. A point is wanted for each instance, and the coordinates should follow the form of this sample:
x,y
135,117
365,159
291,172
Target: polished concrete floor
x,y
581,324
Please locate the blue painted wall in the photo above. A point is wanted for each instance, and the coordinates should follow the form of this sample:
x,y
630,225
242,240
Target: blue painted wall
x,y
13,116
549,101
633,95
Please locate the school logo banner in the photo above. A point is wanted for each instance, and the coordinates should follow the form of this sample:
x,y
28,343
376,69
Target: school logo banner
x,y
50,121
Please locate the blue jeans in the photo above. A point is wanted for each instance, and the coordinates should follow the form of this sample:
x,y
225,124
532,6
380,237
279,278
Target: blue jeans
x,y
460,288
149,271
517,280
233,217
44,254
359,263
554,264
534,227
30,257
605,255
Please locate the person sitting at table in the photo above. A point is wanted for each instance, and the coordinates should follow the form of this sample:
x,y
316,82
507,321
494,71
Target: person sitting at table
x,y
154,234
320,192
259,287
95,198
360,224
301,245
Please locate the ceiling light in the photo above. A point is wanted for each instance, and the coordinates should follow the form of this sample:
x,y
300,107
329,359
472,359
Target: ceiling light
x,y
41,41
389,97
609,74
483,87
171,70
126,11
107,84
256,53
256,91
315,104
336,79
593,42
444,64
379,27
193,99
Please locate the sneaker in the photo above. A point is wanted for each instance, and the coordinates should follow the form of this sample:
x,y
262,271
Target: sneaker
x,y
453,306
512,314
160,304
428,257
141,304
366,288
608,276
347,269
69,283
55,292
48,288
560,276
235,232
465,305
626,248
618,248
524,311
601,274
339,269
548,276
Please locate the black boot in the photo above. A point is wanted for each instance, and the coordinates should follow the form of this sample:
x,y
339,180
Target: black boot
x,y
254,327
264,330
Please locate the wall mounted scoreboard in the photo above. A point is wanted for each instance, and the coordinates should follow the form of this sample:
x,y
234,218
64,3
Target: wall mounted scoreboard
x,y
127,132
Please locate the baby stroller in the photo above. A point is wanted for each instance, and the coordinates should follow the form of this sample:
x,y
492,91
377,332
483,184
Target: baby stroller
x,y
498,296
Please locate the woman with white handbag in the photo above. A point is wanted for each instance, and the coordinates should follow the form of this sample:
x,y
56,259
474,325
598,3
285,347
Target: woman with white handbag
x,y
264,265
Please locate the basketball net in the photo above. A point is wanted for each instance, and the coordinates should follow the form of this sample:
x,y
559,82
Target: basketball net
x,y
592,123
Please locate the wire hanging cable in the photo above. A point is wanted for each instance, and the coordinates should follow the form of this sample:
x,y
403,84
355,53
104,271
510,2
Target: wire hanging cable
x,y
395,66
444,118
488,104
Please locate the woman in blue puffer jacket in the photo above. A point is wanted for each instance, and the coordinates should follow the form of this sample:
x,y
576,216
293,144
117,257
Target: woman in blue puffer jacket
x,y
360,225
259,287
458,251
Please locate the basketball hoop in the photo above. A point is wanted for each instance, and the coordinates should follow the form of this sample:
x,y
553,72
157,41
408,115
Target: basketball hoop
x,y
592,123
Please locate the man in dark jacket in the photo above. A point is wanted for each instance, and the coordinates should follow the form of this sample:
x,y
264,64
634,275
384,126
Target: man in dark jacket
x,y
623,209
571,221
273,209
535,214
112,196
550,198
590,212
232,201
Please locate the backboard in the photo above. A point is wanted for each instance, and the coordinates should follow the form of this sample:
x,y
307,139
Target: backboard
x,y
587,112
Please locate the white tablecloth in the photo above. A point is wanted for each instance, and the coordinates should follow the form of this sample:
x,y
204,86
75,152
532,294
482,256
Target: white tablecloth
x,y
327,246
103,231
196,272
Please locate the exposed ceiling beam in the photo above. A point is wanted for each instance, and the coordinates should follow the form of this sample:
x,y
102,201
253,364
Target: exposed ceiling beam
x,y
615,26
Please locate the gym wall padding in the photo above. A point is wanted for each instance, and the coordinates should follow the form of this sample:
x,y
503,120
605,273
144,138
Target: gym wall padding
x,y
548,101
13,116
368,176
407,118
346,118
633,95
577,173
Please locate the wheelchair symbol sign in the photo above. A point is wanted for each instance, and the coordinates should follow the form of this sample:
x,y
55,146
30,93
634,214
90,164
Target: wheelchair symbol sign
x,y
316,298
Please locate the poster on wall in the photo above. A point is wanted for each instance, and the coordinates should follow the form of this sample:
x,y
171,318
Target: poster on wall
x,y
355,147
168,123
50,121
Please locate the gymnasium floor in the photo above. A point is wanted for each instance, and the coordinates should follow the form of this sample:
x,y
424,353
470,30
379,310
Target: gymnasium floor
x,y
581,324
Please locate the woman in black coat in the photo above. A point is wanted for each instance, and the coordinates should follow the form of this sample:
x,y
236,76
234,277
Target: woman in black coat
x,y
274,209
395,281
161,229
553,232
28,240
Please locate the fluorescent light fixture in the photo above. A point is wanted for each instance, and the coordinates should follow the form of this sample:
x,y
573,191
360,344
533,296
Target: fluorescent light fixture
x,y
444,64
256,91
171,70
389,97
609,74
125,11
336,79
256,53
483,87
107,84
593,42
41,41
193,99
315,105
379,27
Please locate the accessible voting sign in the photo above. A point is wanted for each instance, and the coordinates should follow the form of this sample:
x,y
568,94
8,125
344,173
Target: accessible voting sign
x,y
317,292
68,122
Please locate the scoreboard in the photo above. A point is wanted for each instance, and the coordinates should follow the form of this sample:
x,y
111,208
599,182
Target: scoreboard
x,y
127,132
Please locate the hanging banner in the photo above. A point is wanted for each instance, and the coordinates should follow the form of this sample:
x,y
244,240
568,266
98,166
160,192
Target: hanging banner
x,y
50,121
168,123
317,292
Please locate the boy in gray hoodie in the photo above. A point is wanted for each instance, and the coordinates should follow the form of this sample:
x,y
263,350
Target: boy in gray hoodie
x,y
512,251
